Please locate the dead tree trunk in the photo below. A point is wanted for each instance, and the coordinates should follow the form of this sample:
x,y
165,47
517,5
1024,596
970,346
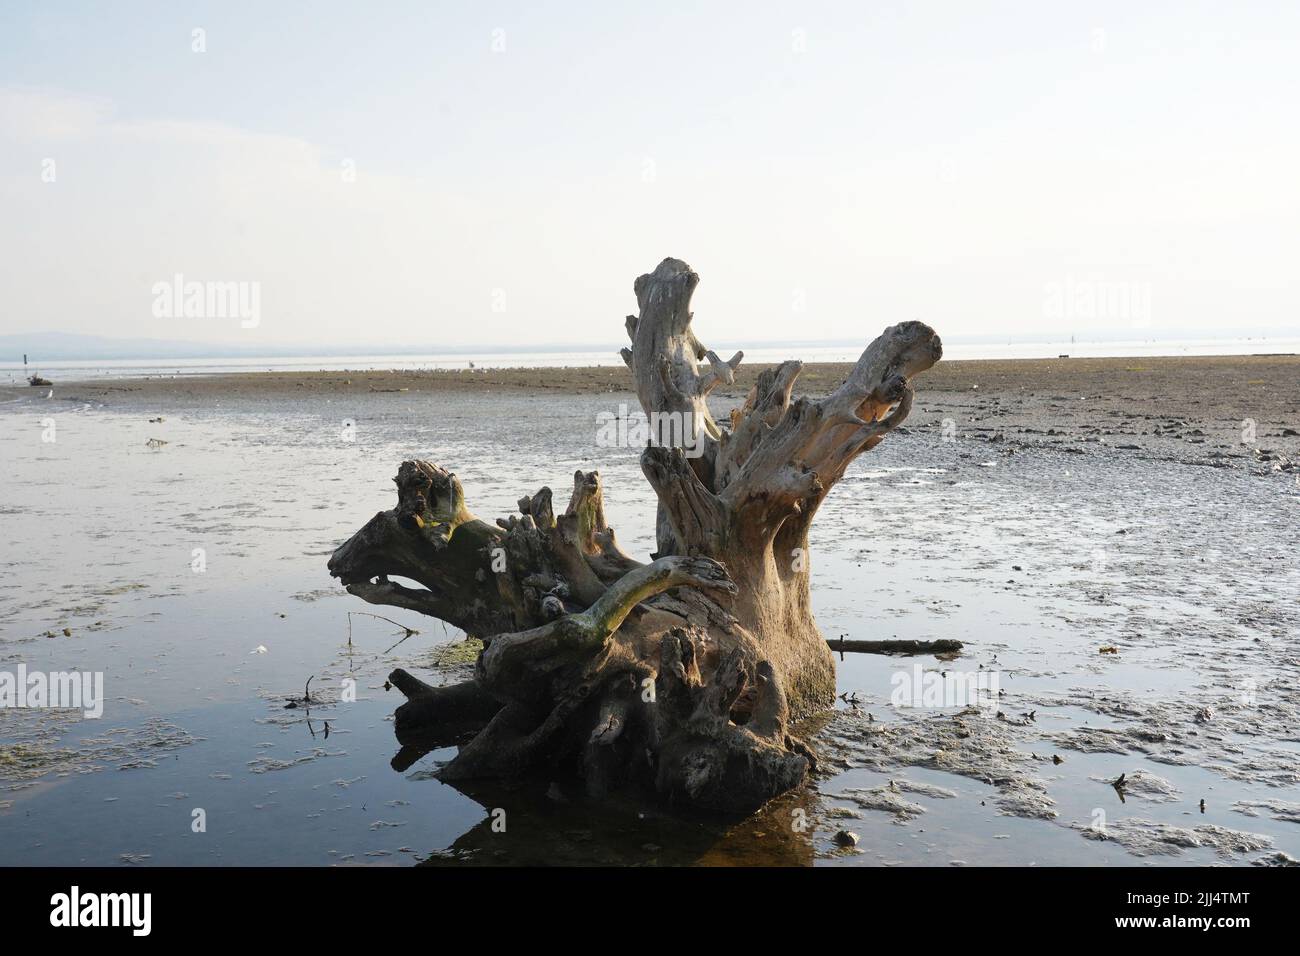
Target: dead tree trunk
x,y
682,673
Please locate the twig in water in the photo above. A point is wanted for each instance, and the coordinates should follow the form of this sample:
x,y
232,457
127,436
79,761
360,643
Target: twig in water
x,y
410,631
1118,784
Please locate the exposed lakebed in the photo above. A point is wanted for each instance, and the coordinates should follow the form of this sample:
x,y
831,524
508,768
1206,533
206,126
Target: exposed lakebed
x,y
1140,609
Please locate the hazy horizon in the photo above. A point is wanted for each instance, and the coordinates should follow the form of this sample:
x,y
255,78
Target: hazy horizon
x,y
498,177
112,357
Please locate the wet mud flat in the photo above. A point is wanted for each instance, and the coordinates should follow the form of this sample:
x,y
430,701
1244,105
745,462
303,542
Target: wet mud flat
x,y
1191,386
1101,539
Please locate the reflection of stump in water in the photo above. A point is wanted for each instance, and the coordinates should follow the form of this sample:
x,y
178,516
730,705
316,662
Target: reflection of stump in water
x,y
535,823
682,674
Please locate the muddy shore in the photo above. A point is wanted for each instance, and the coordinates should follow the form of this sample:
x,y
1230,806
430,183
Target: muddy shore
x,y
1269,383
1058,517
1211,410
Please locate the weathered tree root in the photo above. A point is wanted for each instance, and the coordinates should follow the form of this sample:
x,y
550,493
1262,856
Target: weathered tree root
x,y
684,673
704,757
448,712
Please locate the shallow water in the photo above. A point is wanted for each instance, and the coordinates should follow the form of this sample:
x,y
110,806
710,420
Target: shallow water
x,y
1190,573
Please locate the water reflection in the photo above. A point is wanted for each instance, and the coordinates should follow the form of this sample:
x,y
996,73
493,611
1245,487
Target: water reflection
x,y
550,824
541,821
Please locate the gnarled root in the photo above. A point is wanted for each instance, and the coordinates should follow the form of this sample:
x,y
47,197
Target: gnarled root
x,y
704,757
446,712
622,706
597,662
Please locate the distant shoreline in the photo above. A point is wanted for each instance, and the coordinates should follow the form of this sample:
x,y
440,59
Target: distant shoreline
x,y
1229,387
119,365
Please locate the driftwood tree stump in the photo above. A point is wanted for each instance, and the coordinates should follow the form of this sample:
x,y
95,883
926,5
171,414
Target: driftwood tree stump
x,y
683,673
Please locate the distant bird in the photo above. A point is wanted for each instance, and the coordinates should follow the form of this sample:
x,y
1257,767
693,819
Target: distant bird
x,y
50,393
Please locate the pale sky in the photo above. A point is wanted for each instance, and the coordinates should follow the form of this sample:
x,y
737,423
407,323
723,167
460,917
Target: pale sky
x,y
450,174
